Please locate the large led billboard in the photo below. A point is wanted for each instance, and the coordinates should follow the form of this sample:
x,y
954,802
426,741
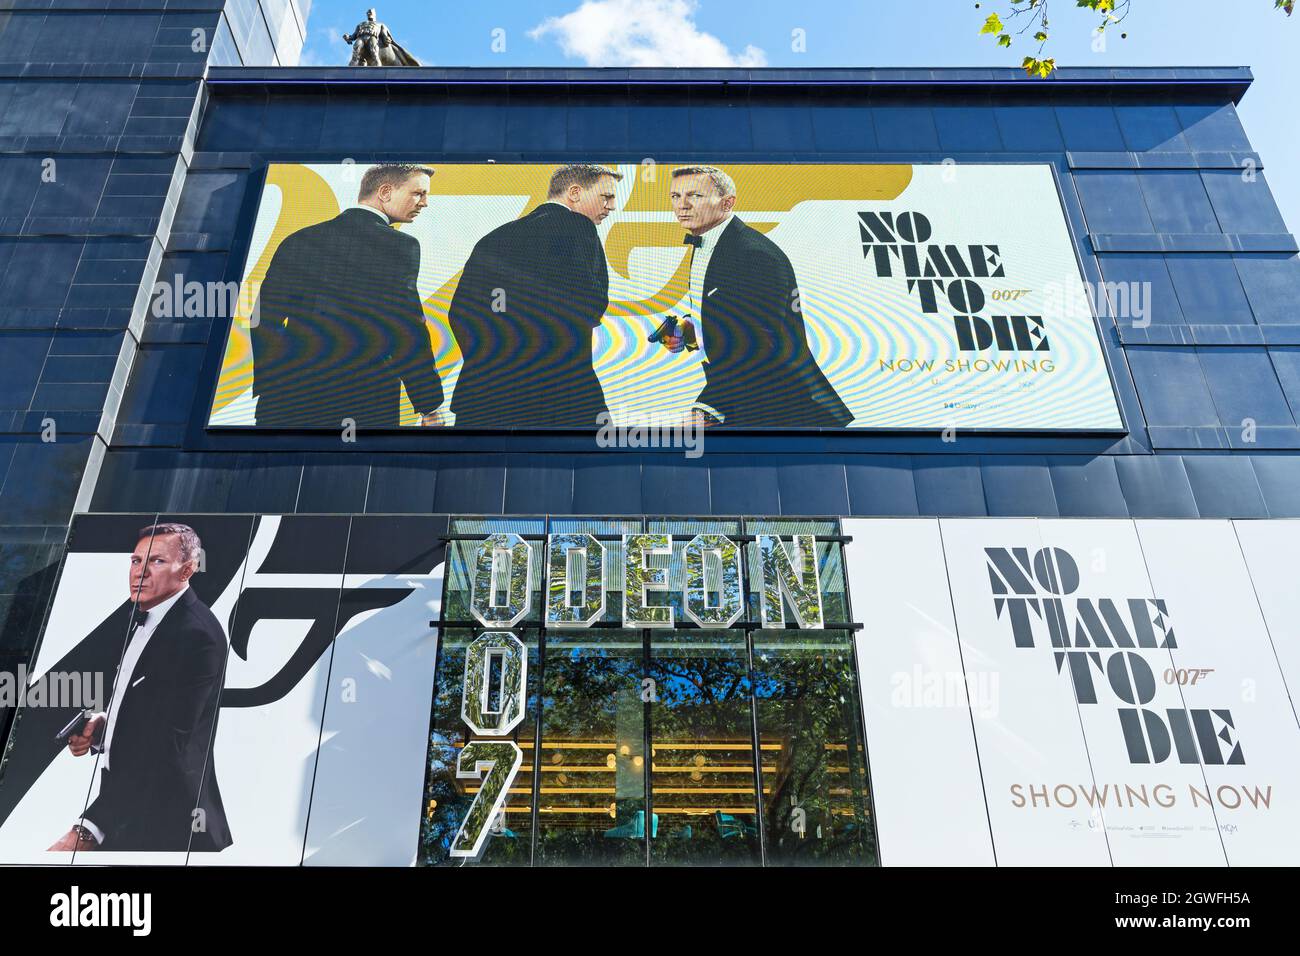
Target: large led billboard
x,y
742,295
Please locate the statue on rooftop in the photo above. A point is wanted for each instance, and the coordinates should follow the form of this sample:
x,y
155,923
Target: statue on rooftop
x,y
373,45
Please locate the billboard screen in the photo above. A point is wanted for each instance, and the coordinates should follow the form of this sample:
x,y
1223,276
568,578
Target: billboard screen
x,y
744,295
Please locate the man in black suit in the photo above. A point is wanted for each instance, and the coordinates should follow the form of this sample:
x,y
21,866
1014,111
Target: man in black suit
x,y
158,786
532,292
760,371
340,325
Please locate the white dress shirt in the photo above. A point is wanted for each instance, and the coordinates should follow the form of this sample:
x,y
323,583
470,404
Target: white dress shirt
x,y
700,256
125,675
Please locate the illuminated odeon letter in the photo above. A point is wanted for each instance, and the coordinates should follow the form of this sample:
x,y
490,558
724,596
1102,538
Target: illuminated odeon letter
x,y
575,565
639,580
500,761
795,576
712,567
476,708
502,564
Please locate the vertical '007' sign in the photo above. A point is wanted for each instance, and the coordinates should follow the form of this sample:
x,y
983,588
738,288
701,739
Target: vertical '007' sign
x,y
501,587
495,762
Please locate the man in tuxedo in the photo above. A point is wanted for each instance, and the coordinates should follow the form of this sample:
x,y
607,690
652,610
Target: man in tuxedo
x,y
340,324
532,292
158,786
759,370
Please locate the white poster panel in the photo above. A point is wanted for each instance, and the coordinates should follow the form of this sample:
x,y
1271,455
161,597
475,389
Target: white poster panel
x,y
146,689
267,752
1032,748
365,808
96,586
1236,710
1272,550
915,698
1117,645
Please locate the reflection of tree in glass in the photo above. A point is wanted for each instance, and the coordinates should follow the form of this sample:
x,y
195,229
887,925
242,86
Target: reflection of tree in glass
x,y
703,745
593,722
447,800
817,807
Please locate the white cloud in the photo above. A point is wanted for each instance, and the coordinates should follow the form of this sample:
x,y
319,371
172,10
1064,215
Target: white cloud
x,y
330,40
641,33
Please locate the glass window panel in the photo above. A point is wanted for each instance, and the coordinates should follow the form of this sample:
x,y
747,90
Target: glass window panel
x,y
591,806
816,803
285,34
830,567
447,798
682,532
249,29
614,558
461,556
224,50
702,775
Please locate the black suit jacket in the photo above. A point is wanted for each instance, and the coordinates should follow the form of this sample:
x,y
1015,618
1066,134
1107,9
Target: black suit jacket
x,y
528,362
760,371
160,760
341,327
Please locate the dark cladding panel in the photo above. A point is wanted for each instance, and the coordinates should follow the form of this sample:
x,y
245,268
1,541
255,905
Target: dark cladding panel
x,y
471,485
949,486
607,485
1224,487
809,486
402,483
1279,482
1156,486
744,484
674,486
1017,486
538,483
334,484
881,485
1087,487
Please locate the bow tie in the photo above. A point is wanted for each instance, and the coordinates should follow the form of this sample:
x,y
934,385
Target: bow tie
x,y
139,618
690,240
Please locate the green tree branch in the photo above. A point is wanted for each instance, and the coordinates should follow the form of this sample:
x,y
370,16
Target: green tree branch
x,y
1024,15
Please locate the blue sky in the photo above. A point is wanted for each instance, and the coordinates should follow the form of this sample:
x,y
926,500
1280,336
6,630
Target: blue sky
x,y
847,33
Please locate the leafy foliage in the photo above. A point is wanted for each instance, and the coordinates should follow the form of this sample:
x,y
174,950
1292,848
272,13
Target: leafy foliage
x,y
1032,14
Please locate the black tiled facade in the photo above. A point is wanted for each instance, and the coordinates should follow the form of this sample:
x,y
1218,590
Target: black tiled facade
x,y
99,107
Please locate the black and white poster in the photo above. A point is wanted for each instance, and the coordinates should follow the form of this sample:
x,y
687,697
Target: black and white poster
x,y
240,682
